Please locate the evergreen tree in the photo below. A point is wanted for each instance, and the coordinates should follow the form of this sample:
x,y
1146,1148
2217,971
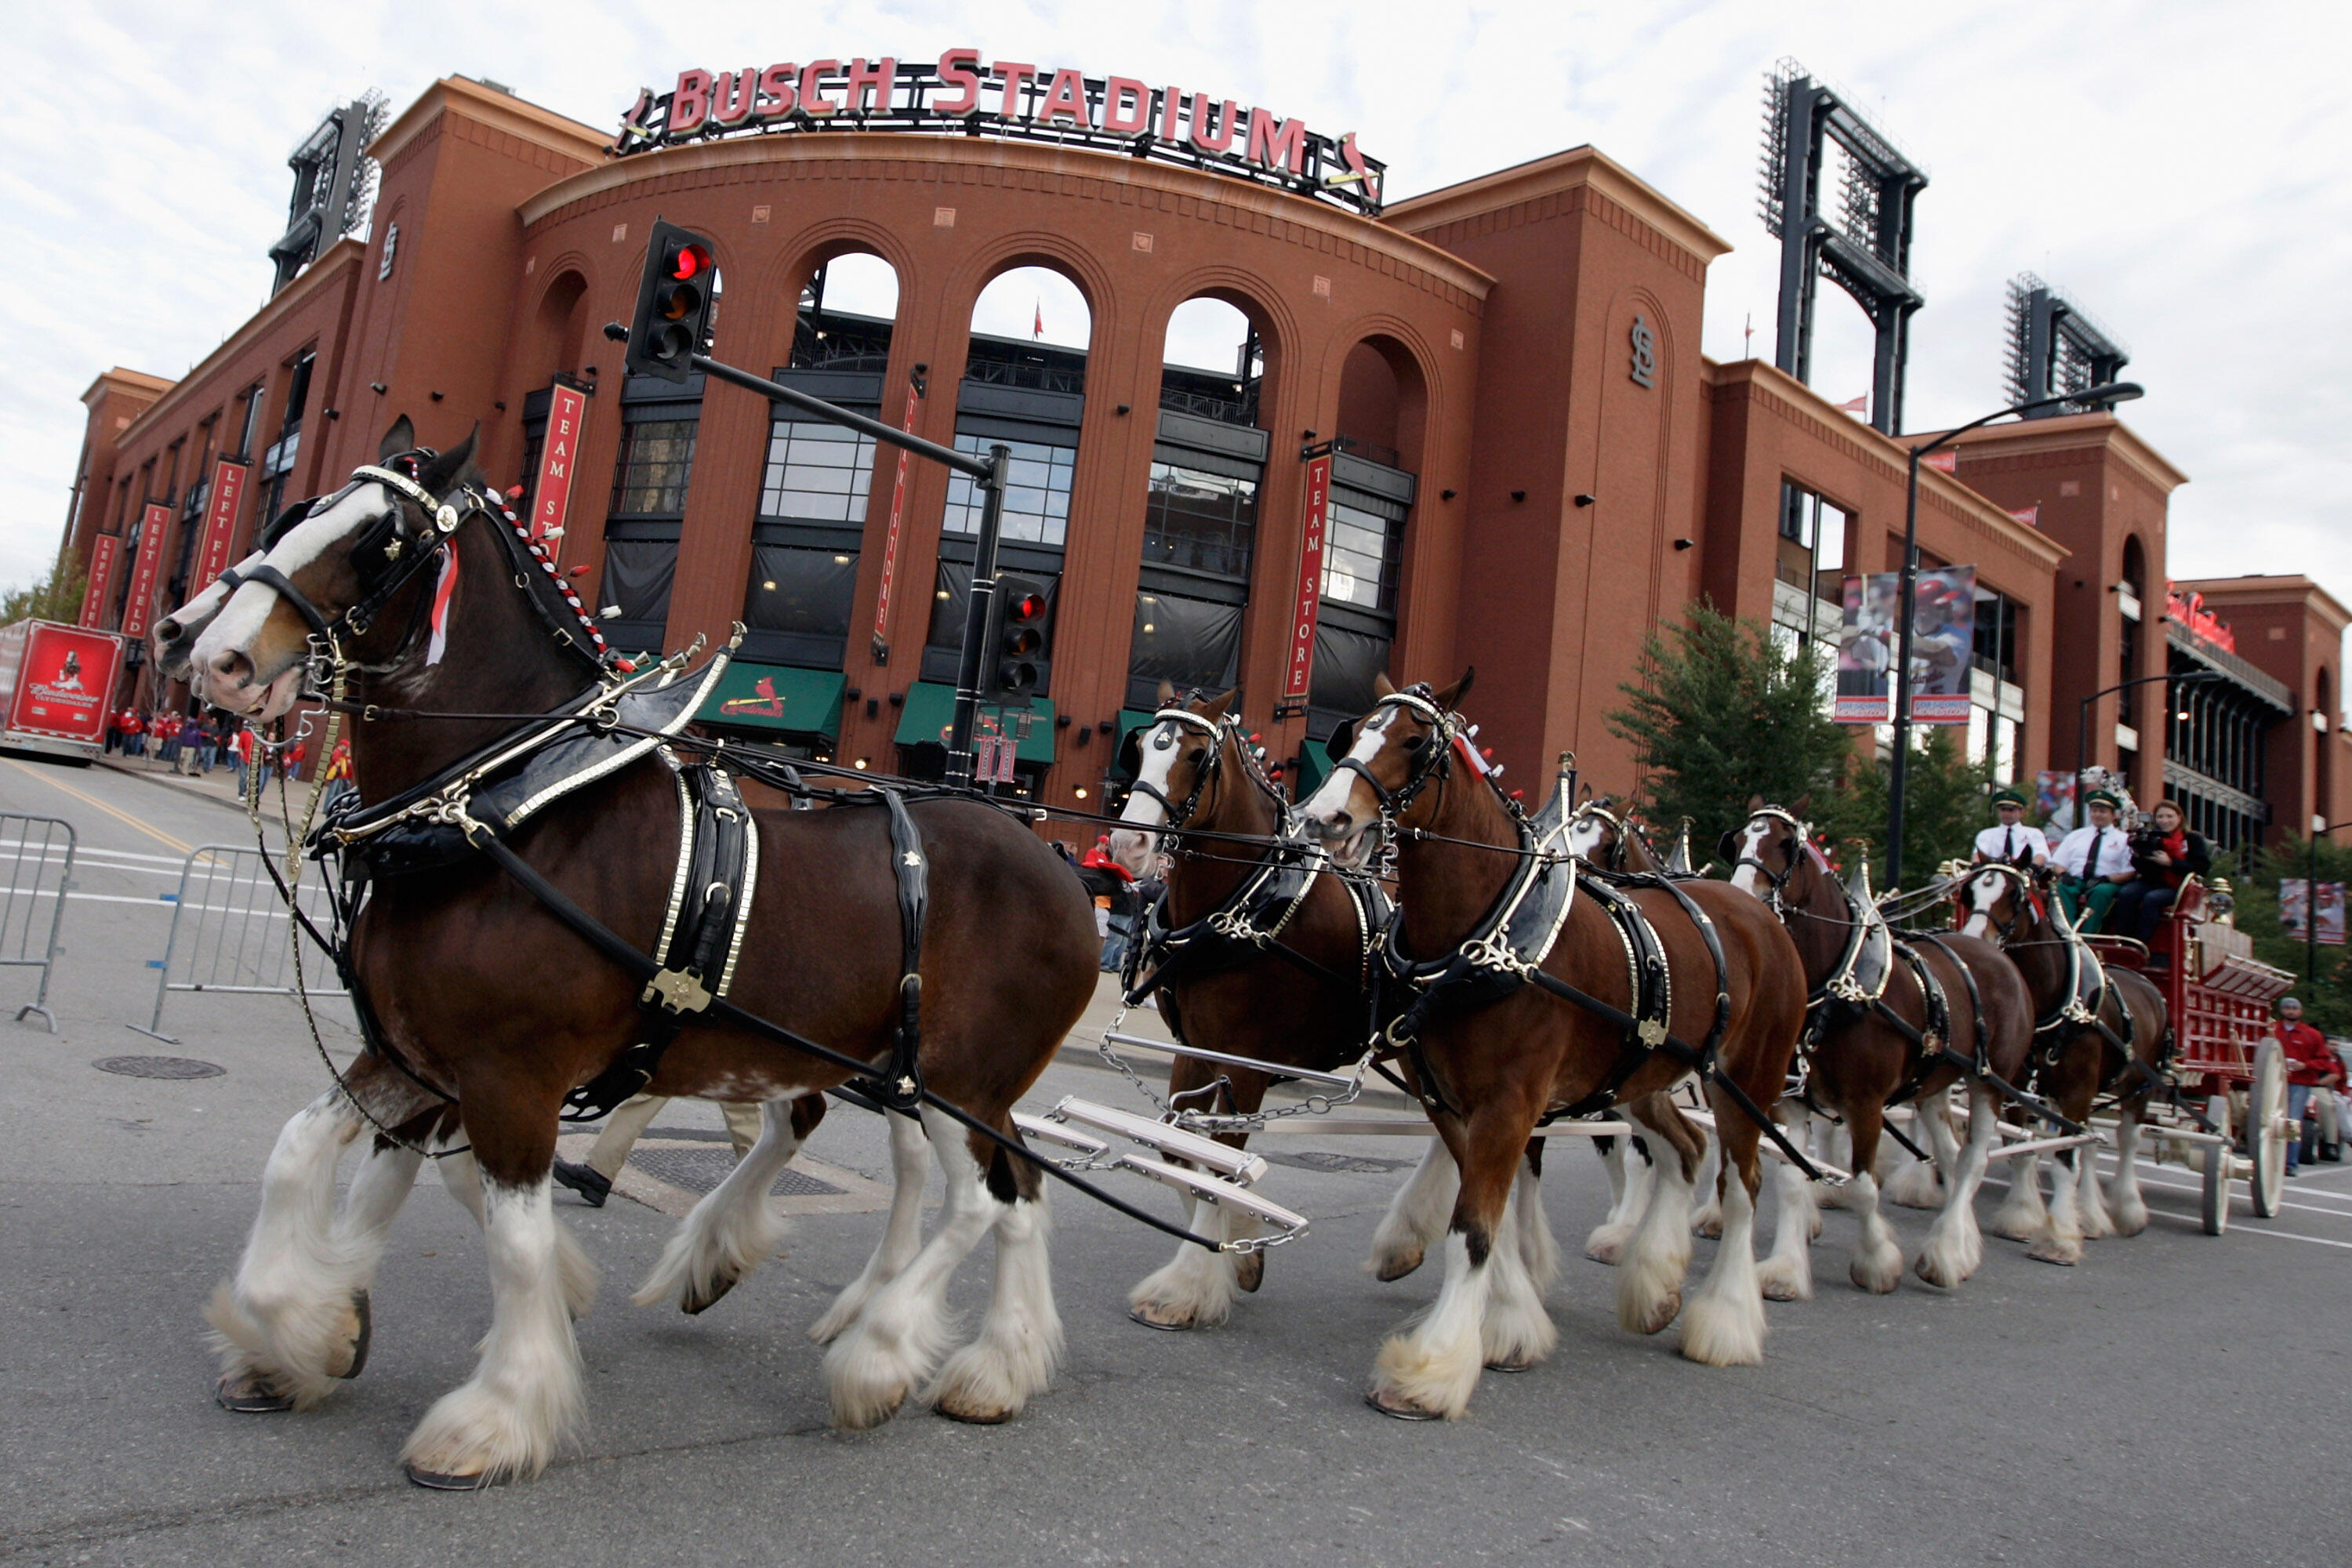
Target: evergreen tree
x,y
1943,807
56,597
1720,711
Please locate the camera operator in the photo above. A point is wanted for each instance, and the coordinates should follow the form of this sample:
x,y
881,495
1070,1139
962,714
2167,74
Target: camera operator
x,y
2165,854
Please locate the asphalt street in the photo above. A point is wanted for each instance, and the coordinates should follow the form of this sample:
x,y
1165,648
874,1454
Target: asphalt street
x,y
2175,1399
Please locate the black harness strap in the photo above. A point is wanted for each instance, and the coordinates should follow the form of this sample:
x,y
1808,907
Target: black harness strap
x,y
901,1087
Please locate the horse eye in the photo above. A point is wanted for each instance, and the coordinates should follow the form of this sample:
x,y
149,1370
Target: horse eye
x,y
1416,744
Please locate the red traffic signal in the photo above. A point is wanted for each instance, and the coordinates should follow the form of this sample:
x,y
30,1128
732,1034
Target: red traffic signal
x,y
1016,643
675,304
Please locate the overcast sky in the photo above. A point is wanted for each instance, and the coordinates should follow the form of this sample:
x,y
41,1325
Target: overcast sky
x,y
2179,169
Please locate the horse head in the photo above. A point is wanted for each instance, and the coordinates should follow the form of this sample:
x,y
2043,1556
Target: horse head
x,y
1771,855
1175,762
1596,833
1998,902
325,573
1381,765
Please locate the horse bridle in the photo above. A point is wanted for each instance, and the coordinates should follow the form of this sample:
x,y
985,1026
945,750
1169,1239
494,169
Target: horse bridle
x,y
1594,809
385,557
1778,881
1430,762
2028,899
1175,814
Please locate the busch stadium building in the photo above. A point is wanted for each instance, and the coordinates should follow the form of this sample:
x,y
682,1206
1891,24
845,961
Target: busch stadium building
x,y
1471,427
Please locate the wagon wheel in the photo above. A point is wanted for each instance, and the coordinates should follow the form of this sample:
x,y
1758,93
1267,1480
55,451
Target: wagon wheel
x,y
2266,1132
2218,1163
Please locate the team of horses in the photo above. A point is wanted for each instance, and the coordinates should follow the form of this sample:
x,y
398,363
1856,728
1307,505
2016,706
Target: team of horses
x,y
488,1008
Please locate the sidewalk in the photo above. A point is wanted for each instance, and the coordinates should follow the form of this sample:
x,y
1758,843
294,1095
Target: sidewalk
x,y
219,785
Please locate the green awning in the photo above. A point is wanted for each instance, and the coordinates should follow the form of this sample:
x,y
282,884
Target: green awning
x,y
1314,767
930,706
777,696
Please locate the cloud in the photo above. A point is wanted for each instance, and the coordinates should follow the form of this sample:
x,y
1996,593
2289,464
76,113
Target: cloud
x,y
2178,168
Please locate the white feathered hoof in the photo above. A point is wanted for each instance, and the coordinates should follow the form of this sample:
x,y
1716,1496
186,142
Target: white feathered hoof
x,y
1249,1271
293,1354
1877,1270
1786,1278
2091,1213
1393,1263
2020,1222
986,1383
1916,1185
1607,1244
2051,1249
471,1439
1949,1258
1724,1330
2131,1215
1412,1383
1706,1220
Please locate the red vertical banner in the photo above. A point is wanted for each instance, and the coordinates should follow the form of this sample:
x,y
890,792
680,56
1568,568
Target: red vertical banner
x,y
1309,600
551,493
898,515
222,502
105,551
155,523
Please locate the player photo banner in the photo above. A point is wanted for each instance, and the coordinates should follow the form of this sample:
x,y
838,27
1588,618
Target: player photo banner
x,y
1943,637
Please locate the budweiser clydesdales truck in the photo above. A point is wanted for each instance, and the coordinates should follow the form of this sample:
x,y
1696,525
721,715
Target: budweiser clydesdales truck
x,y
54,685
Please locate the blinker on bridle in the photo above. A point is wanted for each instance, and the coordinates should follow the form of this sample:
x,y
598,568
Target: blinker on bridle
x,y
1778,880
385,557
1431,761
1164,722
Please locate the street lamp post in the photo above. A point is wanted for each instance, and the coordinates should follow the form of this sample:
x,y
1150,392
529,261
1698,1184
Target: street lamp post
x,y
2112,393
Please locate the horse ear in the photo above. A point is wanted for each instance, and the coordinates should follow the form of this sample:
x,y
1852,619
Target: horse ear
x,y
1167,692
1381,685
1215,706
401,437
1802,806
442,474
1451,698
1754,803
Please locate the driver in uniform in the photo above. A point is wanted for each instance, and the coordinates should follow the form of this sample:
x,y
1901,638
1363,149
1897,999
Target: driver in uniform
x,y
2011,840
2097,861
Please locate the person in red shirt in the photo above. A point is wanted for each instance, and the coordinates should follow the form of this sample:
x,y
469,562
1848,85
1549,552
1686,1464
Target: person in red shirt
x,y
2312,1065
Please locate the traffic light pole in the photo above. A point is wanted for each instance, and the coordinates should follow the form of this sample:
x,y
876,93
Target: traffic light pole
x,y
989,473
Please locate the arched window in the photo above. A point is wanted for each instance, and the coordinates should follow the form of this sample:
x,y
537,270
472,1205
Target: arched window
x,y
1199,531
2132,598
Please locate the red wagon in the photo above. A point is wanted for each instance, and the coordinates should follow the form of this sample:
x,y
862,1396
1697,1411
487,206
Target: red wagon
x,y
2223,1053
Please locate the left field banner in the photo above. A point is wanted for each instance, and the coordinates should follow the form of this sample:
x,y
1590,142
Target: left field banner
x,y
105,555
154,526
222,502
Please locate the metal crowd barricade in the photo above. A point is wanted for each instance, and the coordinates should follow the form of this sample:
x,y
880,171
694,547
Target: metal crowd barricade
x,y
41,865
229,934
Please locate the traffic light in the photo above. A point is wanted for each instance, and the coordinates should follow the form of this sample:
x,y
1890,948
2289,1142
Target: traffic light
x,y
1017,640
673,304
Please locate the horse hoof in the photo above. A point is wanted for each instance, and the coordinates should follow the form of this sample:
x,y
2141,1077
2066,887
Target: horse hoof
x,y
695,1306
2047,1255
1777,1290
361,1340
973,1417
1137,1316
257,1399
440,1482
1607,1253
1390,1269
1510,1366
1249,1271
1401,1412
1665,1311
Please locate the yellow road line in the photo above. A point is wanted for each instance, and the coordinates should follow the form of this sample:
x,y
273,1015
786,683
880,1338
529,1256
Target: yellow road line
x,y
156,834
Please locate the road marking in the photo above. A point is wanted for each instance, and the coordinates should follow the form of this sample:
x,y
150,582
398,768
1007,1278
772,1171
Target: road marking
x,y
123,816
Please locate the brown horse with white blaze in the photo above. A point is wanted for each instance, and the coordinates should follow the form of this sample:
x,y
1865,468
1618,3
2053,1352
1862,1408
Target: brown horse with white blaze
x,y
1292,994
1894,1024
1495,1069
495,1008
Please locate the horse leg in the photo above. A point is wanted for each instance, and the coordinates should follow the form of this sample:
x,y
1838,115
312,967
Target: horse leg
x,y
1416,1214
293,1319
1195,1288
2131,1208
2090,1203
1539,1249
2023,1216
1788,1273
734,1228
2062,1241
463,1180
1919,1183
1019,1343
902,1234
1877,1261
904,1329
1723,1323
1706,1219
525,1397
1955,1247
1629,1189
1650,1282
1430,1370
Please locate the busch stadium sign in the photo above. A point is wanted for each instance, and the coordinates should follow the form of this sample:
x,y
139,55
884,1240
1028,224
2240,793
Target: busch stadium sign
x,y
1007,98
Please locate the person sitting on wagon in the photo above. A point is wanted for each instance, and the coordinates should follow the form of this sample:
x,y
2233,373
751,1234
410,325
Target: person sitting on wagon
x,y
2097,861
2011,840
2312,1065
2163,859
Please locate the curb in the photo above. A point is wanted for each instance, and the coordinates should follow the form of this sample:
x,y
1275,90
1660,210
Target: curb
x,y
179,782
